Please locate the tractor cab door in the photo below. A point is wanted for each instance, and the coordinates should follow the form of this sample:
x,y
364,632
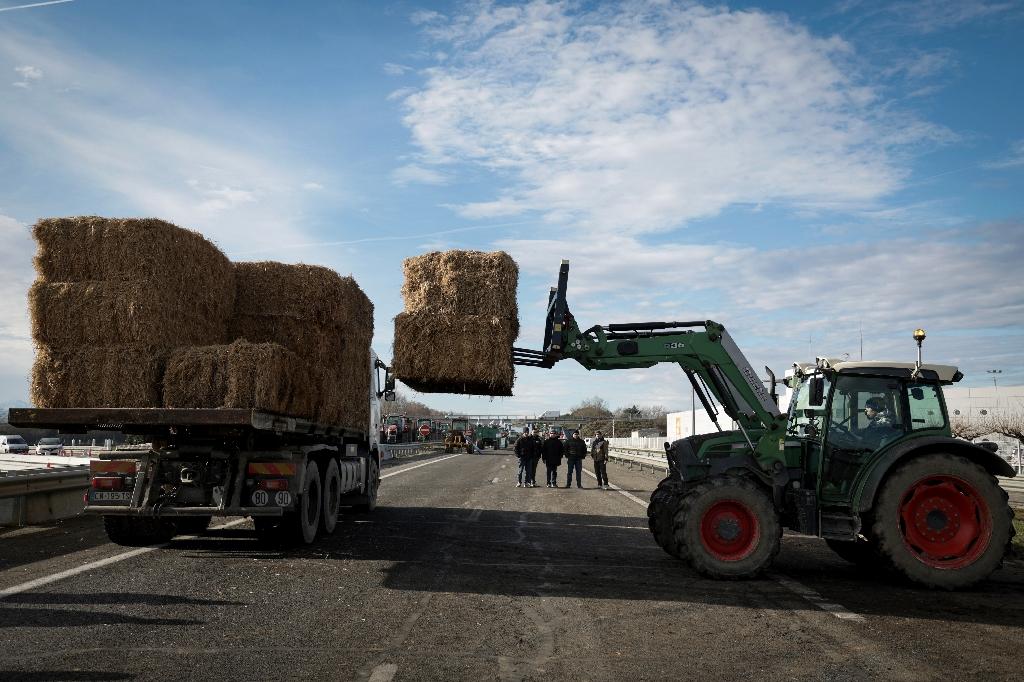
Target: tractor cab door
x,y
866,415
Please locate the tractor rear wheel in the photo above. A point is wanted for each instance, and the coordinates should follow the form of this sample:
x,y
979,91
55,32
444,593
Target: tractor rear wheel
x,y
943,521
727,528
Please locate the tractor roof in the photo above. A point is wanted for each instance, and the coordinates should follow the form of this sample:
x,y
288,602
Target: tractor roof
x,y
944,373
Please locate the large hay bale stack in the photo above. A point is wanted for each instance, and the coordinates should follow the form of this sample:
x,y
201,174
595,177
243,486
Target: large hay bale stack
x,y
322,317
263,376
459,324
113,298
97,376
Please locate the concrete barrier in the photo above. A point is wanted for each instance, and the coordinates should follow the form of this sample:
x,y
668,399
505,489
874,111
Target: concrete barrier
x,y
37,489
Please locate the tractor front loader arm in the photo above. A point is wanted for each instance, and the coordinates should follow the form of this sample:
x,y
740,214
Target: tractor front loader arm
x,y
704,350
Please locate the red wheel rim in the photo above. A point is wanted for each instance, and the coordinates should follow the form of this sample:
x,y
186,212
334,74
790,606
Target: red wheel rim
x,y
729,530
945,522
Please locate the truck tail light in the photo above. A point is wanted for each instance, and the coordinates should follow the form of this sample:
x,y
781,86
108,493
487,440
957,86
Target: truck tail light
x,y
273,484
108,483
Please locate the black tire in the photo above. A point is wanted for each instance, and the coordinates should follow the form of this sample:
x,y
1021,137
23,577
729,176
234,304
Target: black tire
x,y
302,524
133,531
661,518
727,528
943,521
331,497
192,525
367,502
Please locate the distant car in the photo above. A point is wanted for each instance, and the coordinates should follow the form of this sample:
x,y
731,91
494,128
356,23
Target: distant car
x,y
14,445
49,446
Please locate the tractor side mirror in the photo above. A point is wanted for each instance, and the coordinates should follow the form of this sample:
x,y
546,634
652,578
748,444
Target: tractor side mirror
x,y
817,391
390,396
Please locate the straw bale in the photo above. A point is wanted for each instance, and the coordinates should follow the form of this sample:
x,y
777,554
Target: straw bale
x,y
78,249
462,283
302,293
97,376
469,354
70,314
263,376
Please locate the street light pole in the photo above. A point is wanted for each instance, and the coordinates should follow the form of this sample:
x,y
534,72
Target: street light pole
x,y
995,375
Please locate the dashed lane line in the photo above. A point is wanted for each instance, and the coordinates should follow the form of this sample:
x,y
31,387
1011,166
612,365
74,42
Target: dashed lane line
x,y
130,554
385,672
793,586
424,464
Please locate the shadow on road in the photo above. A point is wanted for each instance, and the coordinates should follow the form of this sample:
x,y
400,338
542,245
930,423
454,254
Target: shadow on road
x,y
604,557
16,617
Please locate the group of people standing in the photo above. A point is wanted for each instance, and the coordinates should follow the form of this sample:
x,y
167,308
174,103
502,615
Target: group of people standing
x,y
531,448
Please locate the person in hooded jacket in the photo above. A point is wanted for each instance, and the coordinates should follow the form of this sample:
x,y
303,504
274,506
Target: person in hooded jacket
x,y
526,450
552,454
575,453
599,453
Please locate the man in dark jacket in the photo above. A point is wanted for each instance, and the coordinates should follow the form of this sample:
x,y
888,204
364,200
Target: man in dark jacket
x,y
575,451
599,451
528,452
552,453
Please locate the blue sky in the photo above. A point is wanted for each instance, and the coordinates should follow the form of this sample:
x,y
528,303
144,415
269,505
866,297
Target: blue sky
x,y
797,171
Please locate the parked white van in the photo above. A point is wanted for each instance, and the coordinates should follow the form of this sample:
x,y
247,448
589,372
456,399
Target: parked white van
x,y
14,445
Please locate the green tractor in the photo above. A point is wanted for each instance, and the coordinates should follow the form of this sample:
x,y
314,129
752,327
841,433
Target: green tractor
x,y
864,458
487,436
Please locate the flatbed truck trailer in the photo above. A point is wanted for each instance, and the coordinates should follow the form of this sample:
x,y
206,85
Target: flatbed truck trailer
x,y
292,476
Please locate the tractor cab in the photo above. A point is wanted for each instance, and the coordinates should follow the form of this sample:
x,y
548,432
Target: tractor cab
x,y
847,415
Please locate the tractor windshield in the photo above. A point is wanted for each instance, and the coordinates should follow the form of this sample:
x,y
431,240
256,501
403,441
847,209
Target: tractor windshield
x,y
798,403
866,413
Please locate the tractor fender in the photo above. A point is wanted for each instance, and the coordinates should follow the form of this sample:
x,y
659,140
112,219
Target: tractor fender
x,y
992,463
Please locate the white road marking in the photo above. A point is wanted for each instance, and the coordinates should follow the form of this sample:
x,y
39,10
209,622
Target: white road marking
x,y
27,530
384,672
417,466
92,565
617,489
810,595
807,593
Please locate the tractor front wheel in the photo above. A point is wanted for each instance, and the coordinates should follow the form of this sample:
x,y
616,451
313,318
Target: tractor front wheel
x,y
943,521
661,517
727,528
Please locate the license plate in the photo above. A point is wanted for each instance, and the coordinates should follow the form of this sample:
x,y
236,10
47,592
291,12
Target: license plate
x,y
105,496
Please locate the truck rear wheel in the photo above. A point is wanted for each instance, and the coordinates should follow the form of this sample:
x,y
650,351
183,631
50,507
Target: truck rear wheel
x,y
943,521
727,528
303,523
332,497
133,531
368,501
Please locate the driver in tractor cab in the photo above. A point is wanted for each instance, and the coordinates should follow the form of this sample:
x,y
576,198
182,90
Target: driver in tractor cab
x,y
880,427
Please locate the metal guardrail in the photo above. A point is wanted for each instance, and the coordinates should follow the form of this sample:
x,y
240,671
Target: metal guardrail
x,y
30,474
641,457
396,451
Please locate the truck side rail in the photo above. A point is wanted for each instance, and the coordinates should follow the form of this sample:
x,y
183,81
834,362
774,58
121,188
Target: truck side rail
x,y
155,420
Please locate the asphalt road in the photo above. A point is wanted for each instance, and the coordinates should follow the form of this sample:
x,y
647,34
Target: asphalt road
x,y
461,576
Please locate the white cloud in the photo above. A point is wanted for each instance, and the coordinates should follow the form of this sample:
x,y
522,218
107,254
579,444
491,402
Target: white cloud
x,y
164,152
787,304
416,174
312,186
641,116
28,75
393,69
15,342
1014,159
